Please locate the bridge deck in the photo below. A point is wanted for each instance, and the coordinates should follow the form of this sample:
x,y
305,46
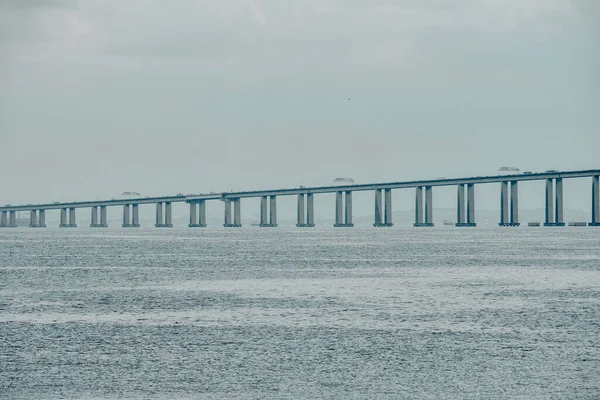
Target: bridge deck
x,y
318,189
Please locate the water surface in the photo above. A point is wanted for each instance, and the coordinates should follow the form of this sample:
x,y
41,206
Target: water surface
x,y
300,313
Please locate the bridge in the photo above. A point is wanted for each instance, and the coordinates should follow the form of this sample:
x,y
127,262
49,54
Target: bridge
x,y
509,203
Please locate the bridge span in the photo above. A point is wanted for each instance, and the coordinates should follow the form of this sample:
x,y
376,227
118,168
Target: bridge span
x,y
465,213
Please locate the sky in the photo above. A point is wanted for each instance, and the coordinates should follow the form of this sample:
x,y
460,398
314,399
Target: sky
x,y
99,97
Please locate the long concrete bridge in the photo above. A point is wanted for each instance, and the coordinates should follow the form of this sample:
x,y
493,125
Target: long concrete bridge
x,y
465,214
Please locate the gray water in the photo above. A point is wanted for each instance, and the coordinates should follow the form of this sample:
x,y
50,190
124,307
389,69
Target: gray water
x,y
300,313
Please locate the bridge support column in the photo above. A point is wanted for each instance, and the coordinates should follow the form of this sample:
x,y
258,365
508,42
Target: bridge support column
x,y
95,223
388,208
465,217
343,215
558,203
72,220
94,218
197,214
193,215
202,213
103,219
429,206
423,217
509,212
168,215
12,219
310,210
136,215
63,218
126,218
41,218
471,205
264,221
300,218
236,213
303,219
514,203
163,220
383,213
378,208
273,211
595,201
4,219
460,205
553,210
268,211
33,223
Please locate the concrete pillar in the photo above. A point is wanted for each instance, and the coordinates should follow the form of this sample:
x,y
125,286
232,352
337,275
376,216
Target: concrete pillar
x,y
595,201
388,208
94,217
460,206
12,219
471,204
428,206
514,203
300,220
264,221
136,215
202,213
558,212
103,220
42,218
159,215
193,216
126,219
63,218
504,203
339,213
549,190
418,206
72,221
348,208
310,210
273,211
237,212
378,208
33,219
4,219
227,218
168,215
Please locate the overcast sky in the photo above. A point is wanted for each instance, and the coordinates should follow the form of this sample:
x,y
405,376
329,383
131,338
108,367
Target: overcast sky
x,y
100,97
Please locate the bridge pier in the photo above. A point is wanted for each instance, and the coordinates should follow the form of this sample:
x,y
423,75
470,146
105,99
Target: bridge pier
x,y
12,219
343,215
165,222
42,218
237,222
33,222
554,217
67,218
4,219
197,214
509,212
95,223
595,201
465,218
268,214
383,219
423,219
303,221
131,220
37,219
